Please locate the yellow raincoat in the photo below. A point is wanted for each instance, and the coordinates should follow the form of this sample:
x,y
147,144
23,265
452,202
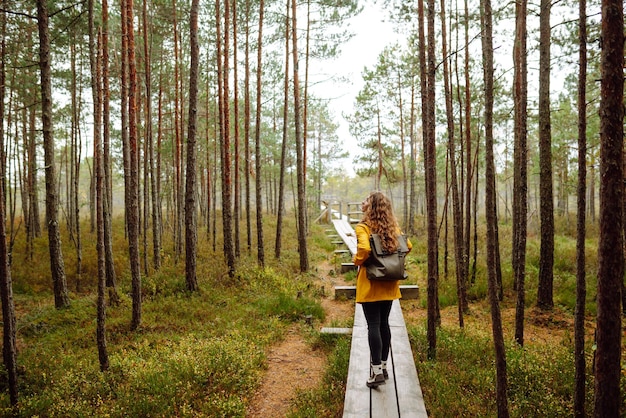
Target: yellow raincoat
x,y
368,290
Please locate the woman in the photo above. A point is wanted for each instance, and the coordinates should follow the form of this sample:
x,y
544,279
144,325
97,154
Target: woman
x,y
376,297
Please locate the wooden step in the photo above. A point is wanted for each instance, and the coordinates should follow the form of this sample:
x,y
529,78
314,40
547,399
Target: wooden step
x,y
408,291
401,395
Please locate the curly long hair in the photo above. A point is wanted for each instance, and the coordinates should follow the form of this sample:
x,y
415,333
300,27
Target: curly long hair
x,y
379,217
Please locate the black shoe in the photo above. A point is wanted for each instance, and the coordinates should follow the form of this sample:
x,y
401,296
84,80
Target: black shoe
x,y
375,380
377,377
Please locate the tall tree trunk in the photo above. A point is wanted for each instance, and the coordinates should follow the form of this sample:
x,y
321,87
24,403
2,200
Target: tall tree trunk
x,y
178,157
237,197
107,197
283,147
74,161
57,267
156,236
103,355
412,163
611,242
546,207
247,128
581,280
431,179
520,167
191,234
132,206
490,209
305,109
405,190
33,189
300,153
475,212
227,211
24,185
124,109
468,148
257,146
156,170
457,218
432,231
9,329
159,154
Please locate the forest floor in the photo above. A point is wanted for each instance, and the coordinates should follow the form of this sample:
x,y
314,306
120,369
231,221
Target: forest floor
x,y
293,365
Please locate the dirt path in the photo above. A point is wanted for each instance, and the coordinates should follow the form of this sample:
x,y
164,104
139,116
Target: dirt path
x,y
293,365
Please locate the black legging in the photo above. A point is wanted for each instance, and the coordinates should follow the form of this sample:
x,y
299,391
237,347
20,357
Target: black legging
x,y
378,332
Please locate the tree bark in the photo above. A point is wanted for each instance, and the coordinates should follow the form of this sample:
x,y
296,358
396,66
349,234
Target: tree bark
x,y
132,205
57,267
156,235
33,193
103,355
581,281
468,148
9,328
432,221
74,170
300,153
191,234
283,147
257,146
457,217
546,208
431,180
237,157
107,197
520,181
227,216
247,167
490,209
412,163
611,241
178,156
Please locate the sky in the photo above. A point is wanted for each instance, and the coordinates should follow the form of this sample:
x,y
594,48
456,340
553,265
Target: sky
x,y
371,36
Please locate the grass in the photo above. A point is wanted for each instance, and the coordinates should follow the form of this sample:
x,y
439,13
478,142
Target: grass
x,y
461,382
199,354
203,354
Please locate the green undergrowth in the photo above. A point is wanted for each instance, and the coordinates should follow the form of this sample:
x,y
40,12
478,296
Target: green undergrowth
x,y
202,354
461,381
564,270
198,354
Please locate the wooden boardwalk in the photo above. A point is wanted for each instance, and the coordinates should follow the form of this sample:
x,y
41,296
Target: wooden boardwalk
x,y
401,396
346,233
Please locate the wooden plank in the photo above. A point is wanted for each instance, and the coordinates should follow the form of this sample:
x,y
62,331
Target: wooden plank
x,y
348,292
401,396
409,390
409,291
346,267
357,399
346,232
331,330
